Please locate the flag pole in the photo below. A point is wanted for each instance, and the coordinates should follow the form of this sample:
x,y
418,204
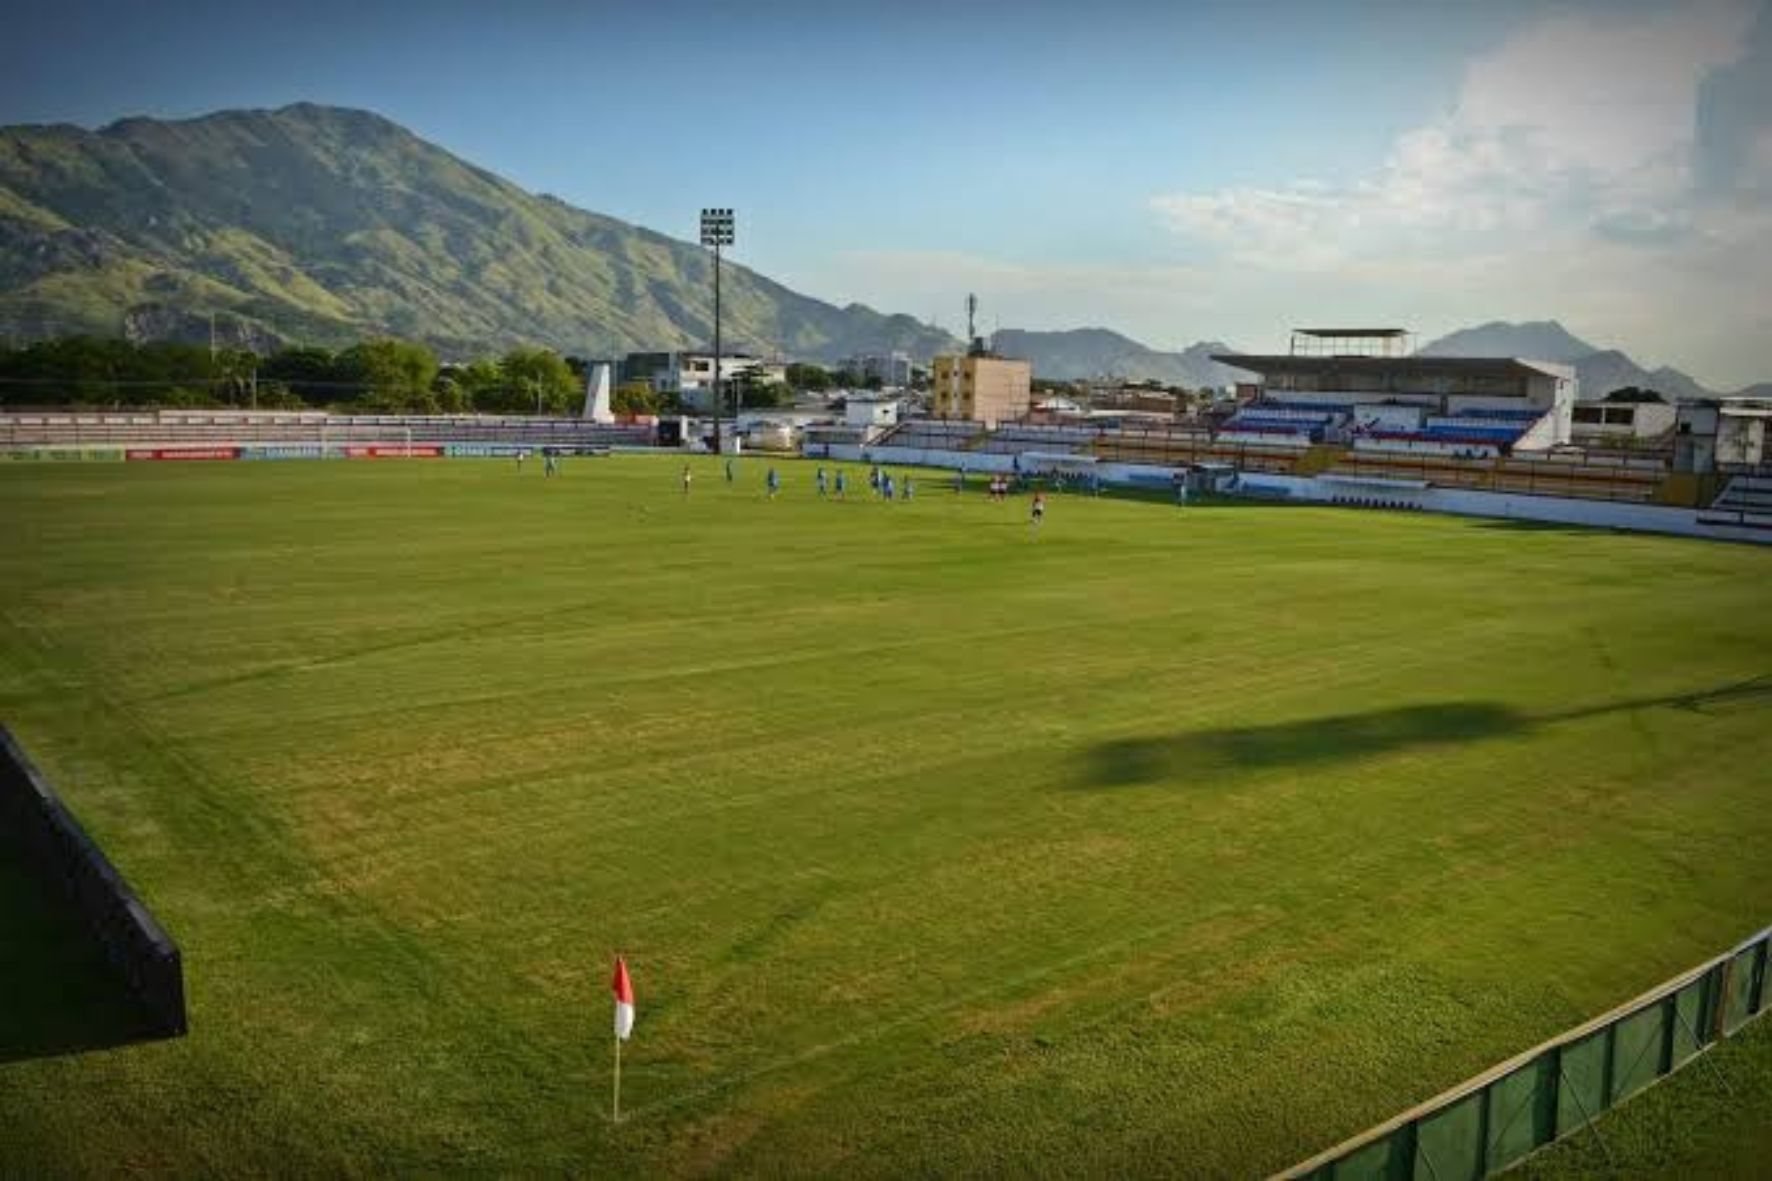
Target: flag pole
x,y
615,1094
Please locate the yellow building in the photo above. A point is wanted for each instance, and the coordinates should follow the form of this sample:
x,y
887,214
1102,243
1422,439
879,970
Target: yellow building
x,y
981,387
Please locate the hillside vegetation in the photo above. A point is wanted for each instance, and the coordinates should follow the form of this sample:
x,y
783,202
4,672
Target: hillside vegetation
x,y
323,226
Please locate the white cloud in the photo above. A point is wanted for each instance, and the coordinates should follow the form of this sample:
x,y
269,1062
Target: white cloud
x,y
1560,183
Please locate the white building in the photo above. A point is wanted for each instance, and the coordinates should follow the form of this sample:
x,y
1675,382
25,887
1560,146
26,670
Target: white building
x,y
1621,419
690,375
1727,433
870,412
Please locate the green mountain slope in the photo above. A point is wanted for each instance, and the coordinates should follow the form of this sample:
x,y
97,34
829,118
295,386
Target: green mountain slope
x,y
320,225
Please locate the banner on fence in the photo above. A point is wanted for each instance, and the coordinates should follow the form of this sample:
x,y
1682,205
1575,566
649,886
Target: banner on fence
x,y
141,453
395,451
63,455
282,451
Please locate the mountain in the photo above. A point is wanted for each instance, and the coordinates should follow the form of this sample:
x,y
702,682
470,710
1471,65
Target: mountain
x,y
1539,340
1083,353
321,225
1600,371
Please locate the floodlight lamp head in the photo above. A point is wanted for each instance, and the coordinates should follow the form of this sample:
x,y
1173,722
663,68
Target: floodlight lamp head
x,y
716,227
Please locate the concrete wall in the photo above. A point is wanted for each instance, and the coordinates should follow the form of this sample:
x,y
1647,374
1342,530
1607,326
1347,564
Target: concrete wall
x,y
143,954
1596,514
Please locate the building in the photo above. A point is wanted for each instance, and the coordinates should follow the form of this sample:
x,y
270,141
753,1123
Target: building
x,y
893,370
1361,386
690,375
981,387
1623,418
870,412
1721,434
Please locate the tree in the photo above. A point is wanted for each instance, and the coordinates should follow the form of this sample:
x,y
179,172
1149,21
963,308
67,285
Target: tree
x,y
534,377
634,397
311,374
809,378
393,375
762,395
481,384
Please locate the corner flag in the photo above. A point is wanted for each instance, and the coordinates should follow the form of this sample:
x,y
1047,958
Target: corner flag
x,y
624,1000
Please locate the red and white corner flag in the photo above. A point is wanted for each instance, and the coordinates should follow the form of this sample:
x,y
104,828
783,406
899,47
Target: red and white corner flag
x,y
624,1000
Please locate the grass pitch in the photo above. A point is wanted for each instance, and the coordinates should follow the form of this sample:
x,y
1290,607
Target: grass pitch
x,y
1164,841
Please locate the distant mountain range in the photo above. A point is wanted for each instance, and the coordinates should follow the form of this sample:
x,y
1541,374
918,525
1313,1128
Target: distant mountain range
x,y
322,225
1600,371
1085,353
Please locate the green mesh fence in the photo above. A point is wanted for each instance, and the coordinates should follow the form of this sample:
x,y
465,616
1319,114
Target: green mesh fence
x,y
1558,1089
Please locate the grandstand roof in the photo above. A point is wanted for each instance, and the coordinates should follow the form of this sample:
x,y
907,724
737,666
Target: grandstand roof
x,y
1340,332
1449,366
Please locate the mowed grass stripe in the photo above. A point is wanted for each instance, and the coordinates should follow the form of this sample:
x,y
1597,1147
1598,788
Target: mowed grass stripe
x,y
1167,841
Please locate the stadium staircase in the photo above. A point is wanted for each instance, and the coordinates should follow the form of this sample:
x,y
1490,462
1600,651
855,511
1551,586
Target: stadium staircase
x,y
1746,501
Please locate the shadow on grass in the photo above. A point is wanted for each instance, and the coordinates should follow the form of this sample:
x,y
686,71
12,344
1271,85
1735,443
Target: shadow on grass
x,y
1314,740
58,994
1520,525
1126,761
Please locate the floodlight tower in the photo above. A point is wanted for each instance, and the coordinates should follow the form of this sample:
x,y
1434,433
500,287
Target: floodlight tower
x,y
716,231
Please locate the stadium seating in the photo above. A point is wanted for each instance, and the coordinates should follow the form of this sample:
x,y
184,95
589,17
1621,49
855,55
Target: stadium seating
x,y
933,435
1445,471
1469,434
1304,422
1164,446
1010,440
1580,476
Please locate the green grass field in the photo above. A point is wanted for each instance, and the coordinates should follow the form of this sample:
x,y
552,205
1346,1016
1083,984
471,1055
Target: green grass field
x,y
1166,841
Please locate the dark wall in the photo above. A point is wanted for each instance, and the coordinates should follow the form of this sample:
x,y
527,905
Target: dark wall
x,y
55,844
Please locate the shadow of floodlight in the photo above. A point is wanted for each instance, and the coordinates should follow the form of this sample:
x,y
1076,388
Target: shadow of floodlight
x,y
1340,737
1312,740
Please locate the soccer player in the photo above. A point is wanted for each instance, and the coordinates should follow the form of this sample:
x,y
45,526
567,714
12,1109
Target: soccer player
x,y
1039,510
522,454
549,465
874,479
773,481
959,479
842,484
910,487
821,481
729,471
687,476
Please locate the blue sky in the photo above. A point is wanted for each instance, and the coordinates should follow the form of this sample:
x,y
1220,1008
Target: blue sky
x,y
1175,171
